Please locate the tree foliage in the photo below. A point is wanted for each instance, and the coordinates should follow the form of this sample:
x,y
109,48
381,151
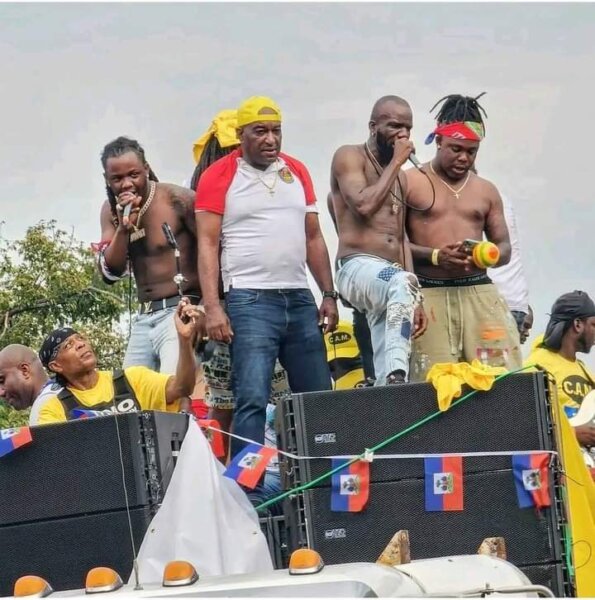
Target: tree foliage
x,y
48,279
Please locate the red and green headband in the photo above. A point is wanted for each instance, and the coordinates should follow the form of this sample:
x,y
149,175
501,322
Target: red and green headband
x,y
467,130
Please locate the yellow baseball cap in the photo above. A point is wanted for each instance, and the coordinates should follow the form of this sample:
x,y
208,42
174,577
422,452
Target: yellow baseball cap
x,y
258,108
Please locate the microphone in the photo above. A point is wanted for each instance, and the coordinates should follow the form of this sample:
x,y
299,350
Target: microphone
x,y
415,162
127,210
169,236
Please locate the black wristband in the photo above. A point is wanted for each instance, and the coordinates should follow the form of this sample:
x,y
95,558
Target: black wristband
x,y
332,294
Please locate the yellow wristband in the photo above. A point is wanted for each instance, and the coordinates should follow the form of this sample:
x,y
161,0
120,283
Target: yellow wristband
x,y
434,258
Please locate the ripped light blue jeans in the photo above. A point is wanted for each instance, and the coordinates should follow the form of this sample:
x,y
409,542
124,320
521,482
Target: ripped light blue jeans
x,y
388,295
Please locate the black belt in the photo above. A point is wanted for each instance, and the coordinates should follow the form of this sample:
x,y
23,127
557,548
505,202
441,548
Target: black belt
x,y
479,279
151,306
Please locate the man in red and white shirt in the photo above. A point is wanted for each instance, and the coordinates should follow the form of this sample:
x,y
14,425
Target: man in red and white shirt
x,y
259,205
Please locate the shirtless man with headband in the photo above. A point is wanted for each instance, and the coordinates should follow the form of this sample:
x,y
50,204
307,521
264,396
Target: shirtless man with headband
x,y
374,265
467,317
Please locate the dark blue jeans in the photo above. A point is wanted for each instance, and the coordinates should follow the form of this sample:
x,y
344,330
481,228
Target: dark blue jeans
x,y
268,324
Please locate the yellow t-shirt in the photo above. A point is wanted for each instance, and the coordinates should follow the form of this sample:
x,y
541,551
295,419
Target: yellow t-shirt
x,y
149,388
573,379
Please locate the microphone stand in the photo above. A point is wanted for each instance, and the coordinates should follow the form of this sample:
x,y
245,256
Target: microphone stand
x,y
179,279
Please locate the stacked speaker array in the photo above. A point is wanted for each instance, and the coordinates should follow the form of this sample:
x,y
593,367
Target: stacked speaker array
x,y
65,500
513,416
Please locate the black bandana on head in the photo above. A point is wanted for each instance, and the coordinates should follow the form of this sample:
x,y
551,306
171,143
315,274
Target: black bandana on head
x,y
49,348
567,308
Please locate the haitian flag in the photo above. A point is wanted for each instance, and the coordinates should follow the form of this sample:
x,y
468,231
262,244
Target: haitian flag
x,y
11,439
215,438
248,465
350,487
531,479
82,413
444,483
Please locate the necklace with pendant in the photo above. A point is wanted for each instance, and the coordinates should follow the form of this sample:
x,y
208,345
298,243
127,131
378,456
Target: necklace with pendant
x,y
270,187
379,170
456,193
139,232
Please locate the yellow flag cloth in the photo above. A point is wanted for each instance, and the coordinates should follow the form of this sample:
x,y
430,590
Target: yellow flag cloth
x,y
223,127
581,496
581,504
448,379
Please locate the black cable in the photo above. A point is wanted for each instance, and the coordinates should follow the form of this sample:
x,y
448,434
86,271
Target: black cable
x,y
402,198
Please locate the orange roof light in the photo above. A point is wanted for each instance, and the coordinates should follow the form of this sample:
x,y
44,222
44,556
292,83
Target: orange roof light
x,y
32,586
305,562
179,572
102,579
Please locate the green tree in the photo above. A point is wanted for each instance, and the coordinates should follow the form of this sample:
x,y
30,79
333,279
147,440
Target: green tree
x,y
49,279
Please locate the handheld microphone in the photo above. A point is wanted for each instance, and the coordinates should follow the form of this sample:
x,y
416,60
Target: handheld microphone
x,y
127,210
169,235
415,162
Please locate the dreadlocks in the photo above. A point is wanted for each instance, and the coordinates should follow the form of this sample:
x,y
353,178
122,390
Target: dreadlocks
x,y
458,109
211,153
115,148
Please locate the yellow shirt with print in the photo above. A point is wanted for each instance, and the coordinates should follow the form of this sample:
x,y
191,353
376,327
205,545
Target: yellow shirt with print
x,y
149,388
573,380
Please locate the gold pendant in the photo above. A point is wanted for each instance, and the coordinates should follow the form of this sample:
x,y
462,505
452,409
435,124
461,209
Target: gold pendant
x,y
395,208
137,235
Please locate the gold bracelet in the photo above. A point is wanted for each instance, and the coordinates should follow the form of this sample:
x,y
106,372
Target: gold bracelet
x,y
434,258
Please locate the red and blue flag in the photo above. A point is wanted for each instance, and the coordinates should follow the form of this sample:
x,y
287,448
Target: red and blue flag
x,y
531,479
248,465
11,439
215,438
444,483
83,413
350,487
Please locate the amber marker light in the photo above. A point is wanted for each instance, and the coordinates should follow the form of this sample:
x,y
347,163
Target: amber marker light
x,y
305,562
179,572
102,579
32,586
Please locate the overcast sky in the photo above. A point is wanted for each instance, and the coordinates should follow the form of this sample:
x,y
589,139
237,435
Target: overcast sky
x,y
74,76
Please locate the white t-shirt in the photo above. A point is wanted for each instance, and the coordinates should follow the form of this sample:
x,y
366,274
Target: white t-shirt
x,y
263,233
49,390
510,279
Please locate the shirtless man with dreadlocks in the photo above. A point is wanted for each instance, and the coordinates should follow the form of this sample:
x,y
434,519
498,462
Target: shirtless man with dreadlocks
x,y
374,266
467,316
139,237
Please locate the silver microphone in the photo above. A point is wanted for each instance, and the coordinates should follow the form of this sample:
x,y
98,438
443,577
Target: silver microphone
x,y
127,210
415,162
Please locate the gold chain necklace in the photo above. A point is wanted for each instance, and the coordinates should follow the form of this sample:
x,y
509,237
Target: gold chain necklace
x,y
379,170
139,232
456,193
271,188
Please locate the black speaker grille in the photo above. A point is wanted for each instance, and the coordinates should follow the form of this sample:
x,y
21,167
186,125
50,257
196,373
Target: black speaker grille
x,y
62,551
72,468
490,509
509,417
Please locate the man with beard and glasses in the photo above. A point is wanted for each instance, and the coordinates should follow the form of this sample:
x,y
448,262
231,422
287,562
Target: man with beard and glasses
x,y
374,266
467,317
139,239
571,329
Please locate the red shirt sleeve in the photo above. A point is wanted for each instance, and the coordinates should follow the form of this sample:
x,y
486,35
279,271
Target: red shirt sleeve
x,y
214,183
299,169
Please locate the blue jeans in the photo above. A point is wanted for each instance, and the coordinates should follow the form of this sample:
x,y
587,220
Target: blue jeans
x,y
388,295
153,342
271,324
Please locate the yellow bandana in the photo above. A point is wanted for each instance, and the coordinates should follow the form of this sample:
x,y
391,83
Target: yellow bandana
x,y
258,108
223,127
